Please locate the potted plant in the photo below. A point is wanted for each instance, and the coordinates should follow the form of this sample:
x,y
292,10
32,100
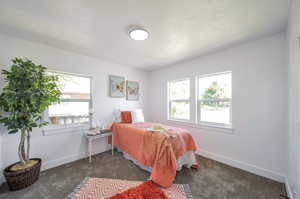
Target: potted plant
x,y
29,91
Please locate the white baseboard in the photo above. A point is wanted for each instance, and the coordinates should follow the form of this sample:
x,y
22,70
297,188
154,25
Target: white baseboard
x,y
244,166
288,188
54,163
226,160
67,159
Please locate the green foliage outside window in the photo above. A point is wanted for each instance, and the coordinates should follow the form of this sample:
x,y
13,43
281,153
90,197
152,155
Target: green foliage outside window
x,y
214,91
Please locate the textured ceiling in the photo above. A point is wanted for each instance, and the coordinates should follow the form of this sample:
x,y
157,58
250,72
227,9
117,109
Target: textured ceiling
x,y
178,29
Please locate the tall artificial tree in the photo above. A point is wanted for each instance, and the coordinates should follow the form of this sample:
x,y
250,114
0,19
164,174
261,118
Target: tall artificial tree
x,y
28,92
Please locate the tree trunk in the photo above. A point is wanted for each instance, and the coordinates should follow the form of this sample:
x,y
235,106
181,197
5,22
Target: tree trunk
x,y
28,146
21,148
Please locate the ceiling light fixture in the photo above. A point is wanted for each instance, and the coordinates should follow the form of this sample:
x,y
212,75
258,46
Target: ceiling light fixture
x,y
139,34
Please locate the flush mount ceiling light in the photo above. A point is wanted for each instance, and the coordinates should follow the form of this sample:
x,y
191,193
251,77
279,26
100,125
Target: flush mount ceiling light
x,y
139,34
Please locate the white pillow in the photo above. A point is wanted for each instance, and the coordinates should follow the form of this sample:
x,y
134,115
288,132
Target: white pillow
x,y
137,116
117,116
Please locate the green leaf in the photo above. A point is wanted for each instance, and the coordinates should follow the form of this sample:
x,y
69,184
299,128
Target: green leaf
x,y
29,91
12,131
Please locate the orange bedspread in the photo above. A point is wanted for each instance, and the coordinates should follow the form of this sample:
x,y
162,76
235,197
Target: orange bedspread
x,y
158,150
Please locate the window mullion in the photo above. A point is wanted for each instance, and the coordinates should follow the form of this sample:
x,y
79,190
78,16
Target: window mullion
x,y
193,111
75,100
181,100
198,111
216,100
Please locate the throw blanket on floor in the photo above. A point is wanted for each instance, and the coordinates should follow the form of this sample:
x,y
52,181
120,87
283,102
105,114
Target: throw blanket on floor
x,y
159,150
147,190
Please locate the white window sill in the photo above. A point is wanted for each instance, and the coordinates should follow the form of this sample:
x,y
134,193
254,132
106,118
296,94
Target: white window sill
x,y
60,129
210,127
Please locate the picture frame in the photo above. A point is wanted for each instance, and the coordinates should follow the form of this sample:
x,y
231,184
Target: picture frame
x,y
132,90
116,86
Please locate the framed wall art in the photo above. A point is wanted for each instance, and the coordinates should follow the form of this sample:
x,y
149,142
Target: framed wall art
x,y
132,90
116,86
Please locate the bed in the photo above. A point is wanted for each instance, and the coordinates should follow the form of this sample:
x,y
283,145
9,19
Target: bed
x,y
161,151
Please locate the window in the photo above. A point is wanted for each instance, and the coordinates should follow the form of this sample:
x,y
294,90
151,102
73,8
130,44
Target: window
x,y
214,99
75,101
179,99
201,100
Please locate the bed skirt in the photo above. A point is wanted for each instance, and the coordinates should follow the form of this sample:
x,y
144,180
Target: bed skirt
x,y
187,160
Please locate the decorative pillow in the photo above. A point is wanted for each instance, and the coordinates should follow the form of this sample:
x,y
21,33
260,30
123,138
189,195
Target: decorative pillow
x,y
137,116
126,117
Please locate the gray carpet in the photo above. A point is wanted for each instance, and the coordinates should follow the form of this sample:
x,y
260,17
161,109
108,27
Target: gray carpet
x,y
212,180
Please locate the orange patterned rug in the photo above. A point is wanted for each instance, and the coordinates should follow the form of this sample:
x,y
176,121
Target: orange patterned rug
x,y
103,188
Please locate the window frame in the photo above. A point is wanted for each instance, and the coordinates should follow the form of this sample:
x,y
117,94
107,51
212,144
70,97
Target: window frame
x,y
195,107
199,100
189,100
215,123
61,128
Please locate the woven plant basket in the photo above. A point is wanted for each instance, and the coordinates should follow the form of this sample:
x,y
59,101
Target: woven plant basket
x,y
17,180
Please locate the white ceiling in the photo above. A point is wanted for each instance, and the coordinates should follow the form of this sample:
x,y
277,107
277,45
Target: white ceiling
x,y
179,29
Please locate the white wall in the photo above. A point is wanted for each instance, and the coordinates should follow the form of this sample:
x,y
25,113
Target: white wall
x,y
259,101
56,149
293,141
